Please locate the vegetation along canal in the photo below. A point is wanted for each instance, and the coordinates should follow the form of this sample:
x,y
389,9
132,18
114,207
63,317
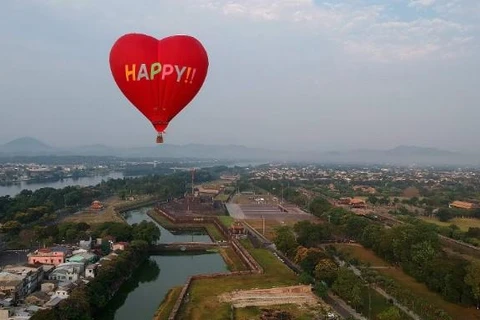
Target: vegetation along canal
x,y
140,297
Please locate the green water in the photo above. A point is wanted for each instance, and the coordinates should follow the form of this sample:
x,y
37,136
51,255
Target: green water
x,y
140,297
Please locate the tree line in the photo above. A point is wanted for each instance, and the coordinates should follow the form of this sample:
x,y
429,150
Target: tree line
x,y
45,206
413,247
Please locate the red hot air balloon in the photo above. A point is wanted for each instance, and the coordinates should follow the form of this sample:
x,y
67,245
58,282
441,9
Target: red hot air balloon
x,y
159,77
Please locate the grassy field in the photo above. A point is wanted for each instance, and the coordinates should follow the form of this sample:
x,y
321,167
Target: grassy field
x,y
462,223
270,225
226,220
204,303
232,260
107,215
362,254
222,197
367,256
167,304
214,232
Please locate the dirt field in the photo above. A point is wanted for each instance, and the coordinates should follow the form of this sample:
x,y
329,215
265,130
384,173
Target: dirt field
x,y
300,295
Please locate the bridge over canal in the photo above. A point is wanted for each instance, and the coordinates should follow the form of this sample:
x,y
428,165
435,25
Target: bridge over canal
x,y
184,247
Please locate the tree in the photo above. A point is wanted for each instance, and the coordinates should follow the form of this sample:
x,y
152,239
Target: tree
x,y
310,234
305,278
146,231
444,215
285,240
319,206
11,227
372,199
349,287
301,254
473,279
326,270
391,313
321,289
311,259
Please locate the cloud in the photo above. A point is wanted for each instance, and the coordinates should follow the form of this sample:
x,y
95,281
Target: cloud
x,y
421,3
376,31
385,31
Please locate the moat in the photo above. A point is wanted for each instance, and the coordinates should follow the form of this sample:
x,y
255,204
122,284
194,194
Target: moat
x,y
141,296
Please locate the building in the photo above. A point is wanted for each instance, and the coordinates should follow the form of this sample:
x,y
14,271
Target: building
x,y
86,244
63,292
53,256
83,257
32,277
68,272
49,286
237,230
11,286
358,203
96,205
463,205
5,314
344,201
120,246
91,271
38,298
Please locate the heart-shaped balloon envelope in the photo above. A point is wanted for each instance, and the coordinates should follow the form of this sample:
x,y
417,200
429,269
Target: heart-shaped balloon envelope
x,y
159,77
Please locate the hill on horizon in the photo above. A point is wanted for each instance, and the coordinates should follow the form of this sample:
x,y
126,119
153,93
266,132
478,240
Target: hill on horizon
x,y
403,154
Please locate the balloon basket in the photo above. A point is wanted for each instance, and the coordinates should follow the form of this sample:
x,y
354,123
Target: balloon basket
x,y
160,138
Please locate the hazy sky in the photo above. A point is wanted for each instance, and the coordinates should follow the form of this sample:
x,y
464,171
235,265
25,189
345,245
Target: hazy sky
x,y
284,74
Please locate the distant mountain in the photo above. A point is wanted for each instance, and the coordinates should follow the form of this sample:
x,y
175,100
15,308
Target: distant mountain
x,y
26,146
418,151
401,155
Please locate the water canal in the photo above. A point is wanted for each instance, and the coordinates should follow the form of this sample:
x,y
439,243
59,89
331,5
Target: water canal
x,y
140,297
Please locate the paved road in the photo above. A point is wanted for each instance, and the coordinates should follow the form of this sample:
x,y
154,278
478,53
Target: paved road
x,y
340,307
235,211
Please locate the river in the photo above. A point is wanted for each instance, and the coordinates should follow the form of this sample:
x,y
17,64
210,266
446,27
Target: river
x,y
140,297
14,189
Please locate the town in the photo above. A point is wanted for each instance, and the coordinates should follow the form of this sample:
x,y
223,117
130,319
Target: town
x,y
50,275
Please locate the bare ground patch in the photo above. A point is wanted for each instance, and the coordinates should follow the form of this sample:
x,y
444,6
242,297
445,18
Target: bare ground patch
x,y
299,295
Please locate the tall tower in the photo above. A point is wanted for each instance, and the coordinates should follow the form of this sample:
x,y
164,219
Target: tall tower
x,y
193,177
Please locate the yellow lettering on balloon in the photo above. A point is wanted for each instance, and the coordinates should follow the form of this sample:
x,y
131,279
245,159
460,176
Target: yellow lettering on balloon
x,y
130,72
